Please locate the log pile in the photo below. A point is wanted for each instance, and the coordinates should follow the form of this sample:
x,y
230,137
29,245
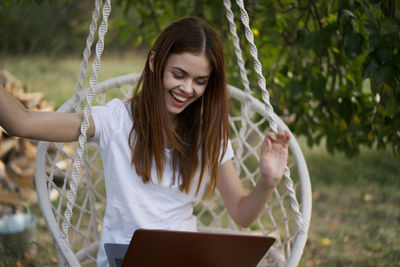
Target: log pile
x,y
17,155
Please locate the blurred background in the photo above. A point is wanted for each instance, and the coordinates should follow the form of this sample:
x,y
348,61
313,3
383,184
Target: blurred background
x,y
333,72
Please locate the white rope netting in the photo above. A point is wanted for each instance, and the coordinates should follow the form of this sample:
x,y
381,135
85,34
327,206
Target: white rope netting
x,y
70,179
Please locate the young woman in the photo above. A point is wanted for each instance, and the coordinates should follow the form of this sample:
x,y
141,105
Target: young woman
x,y
161,147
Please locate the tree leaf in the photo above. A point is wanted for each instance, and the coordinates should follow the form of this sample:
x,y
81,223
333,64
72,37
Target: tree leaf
x,y
353,44
375,40
297,89
346,109
385,54
328,30
347,15
375,1
390,25
371,27
397,61
391,106
119,23
370,66
311,39
385,73
318,86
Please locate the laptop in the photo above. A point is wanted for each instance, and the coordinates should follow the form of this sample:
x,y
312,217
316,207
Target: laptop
x,y
155,248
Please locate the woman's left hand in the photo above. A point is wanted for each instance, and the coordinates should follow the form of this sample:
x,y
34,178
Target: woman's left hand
x,y
273,157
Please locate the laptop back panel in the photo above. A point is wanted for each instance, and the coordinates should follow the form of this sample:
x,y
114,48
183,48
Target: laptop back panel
x,y
154,248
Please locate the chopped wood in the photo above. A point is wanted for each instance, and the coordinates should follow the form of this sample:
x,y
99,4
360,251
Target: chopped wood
x,y
7,145
5,183
10,198
27,148
2,170
21,171
9,82
64,164
29,100
69,150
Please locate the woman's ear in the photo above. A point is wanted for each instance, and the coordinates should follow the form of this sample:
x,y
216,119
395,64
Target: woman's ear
x,y
151,60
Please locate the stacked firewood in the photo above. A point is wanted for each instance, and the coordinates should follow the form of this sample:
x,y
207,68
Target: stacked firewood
x,y
17,155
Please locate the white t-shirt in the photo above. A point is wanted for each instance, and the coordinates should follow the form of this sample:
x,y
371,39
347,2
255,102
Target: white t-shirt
x,y
131,204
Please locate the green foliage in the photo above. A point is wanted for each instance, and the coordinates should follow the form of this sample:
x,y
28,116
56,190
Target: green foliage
x,y
51,27
332,67
47,26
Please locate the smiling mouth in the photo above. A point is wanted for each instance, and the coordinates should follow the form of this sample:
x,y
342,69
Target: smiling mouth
x,y
178,98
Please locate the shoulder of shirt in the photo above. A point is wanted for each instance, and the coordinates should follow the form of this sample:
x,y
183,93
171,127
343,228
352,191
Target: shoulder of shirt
x,y
120,106
115,102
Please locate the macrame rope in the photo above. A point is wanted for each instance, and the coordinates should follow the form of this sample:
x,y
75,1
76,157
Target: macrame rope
x,y
243,75
78,159
301,227
86,53
236,44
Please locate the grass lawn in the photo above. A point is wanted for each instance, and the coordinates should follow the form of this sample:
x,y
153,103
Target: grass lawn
x,y
356,214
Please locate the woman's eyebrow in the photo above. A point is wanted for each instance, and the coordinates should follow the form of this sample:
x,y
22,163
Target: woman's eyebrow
x,y
184,72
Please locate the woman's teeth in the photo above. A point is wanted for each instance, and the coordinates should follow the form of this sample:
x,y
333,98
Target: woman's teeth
x,y
179,98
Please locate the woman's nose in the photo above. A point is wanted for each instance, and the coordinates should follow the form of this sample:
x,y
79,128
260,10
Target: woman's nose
x,y
187,87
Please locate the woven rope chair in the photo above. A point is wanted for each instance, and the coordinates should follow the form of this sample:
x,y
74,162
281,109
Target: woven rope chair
x,y
70,181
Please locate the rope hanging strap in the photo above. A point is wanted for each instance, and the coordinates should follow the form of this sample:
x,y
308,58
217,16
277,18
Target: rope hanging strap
x,y
87,52
79,156
301,225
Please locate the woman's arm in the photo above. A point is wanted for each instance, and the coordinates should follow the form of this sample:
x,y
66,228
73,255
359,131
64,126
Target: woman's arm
x,y
46,126
243,208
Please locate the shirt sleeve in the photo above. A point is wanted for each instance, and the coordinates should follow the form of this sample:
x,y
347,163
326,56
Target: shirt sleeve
x,y
228,153
105,120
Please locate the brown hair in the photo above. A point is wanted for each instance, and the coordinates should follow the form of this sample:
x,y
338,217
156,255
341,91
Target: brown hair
x,y
202,126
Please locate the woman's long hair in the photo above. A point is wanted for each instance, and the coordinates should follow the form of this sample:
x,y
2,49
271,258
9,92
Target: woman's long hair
x,y
202,126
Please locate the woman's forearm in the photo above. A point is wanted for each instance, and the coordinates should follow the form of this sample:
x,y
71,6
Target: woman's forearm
x,y
250,207
243,208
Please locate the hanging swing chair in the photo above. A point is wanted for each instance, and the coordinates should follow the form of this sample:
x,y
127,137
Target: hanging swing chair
x,y
70,182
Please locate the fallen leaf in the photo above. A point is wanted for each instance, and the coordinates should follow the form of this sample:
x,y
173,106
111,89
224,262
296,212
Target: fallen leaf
x,y
54,260
369,198
334,222
377,247
325,242
315,195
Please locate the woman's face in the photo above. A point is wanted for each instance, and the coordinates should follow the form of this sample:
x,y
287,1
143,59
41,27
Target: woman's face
x,y
185,79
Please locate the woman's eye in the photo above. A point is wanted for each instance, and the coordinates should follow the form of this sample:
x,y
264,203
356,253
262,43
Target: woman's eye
x,y
201,83
177,76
